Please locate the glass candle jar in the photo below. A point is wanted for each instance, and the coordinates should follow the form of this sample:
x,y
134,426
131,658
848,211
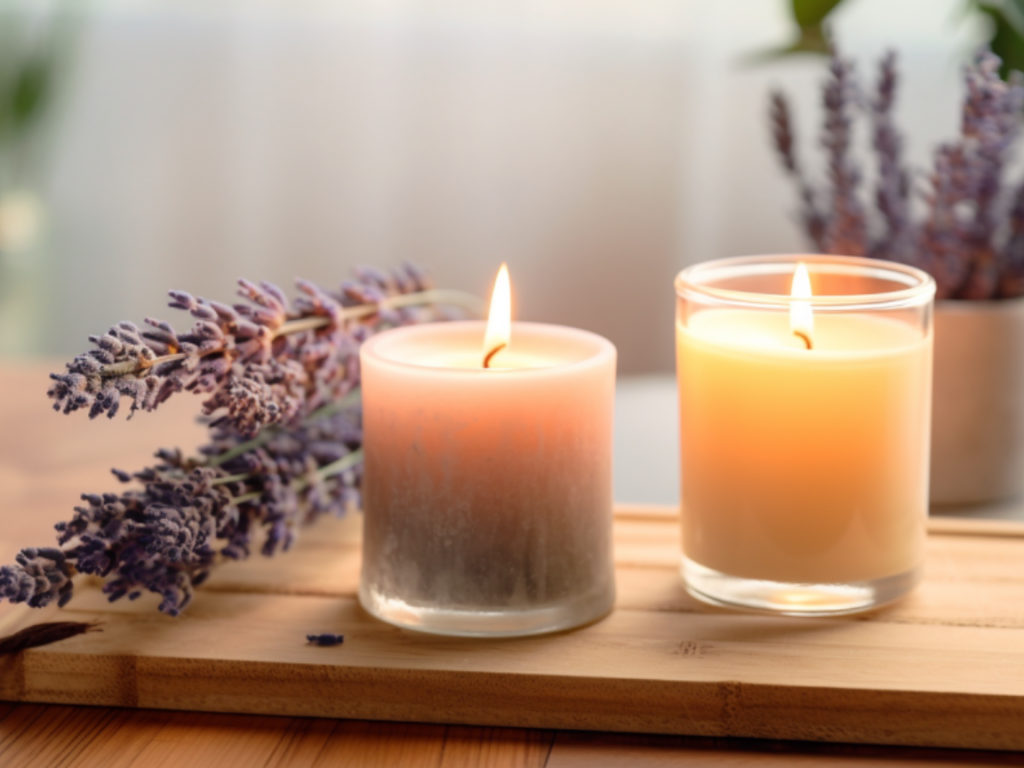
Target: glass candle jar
x,y
487,492
805,407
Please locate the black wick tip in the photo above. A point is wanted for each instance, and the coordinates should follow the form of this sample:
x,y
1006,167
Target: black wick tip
x,y
492,353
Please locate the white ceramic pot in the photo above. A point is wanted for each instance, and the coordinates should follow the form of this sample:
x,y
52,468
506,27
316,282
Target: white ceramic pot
x,y
978,401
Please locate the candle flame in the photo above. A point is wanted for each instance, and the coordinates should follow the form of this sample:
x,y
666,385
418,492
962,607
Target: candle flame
x,y
499,321
801,318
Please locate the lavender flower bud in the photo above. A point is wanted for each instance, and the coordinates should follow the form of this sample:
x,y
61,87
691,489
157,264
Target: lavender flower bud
x,y
284,437
325,639
963,241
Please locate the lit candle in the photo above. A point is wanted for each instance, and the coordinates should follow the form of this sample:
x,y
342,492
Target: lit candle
x,y
488,486
804,430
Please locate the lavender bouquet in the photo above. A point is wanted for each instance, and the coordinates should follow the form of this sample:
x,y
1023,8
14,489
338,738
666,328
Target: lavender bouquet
x,y
281,382
970,237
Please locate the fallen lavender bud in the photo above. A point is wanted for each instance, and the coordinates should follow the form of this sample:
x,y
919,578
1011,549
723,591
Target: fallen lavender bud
x,y
325,640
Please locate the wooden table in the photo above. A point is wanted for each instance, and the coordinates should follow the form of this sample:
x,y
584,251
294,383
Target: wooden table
x,y
47,460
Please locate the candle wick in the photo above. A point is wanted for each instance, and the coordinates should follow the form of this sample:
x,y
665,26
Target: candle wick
x,y
806,339
492,353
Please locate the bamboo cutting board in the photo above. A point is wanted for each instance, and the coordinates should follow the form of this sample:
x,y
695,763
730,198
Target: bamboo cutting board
x,y
943,668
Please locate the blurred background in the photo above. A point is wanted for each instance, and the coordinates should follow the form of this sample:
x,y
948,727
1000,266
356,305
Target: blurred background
x,y
596,146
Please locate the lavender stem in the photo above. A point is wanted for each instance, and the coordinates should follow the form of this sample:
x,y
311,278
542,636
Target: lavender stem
x,y
351,399
433,296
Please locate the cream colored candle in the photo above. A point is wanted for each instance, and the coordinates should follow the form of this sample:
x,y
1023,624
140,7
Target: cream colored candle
x,y
803,466
488,492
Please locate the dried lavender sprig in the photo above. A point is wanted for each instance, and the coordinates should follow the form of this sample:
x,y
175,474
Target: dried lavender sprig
x,y
260,363
784,137
246,489
1011,277
991,122
958,239
188,518
38,577
352,398
963,241
846,229
892,188
941,247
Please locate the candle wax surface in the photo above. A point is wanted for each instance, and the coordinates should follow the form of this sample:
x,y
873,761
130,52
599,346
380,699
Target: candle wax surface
x,y
803,465
508,359
460,346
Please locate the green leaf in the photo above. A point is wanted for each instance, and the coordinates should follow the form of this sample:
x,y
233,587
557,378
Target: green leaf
x,y
810,13
812,36
30,92
811,40
1007,40
1014,12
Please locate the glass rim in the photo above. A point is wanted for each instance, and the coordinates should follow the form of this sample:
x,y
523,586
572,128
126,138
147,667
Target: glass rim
x,y
920,287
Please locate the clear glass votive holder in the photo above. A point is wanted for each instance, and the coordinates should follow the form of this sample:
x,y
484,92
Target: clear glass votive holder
x,y
805,425
487,493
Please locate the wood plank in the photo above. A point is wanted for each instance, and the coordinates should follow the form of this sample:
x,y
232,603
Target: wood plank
x,y
663,672
57,736
647,556
966,526
211,741
666,662
20,720
676,665
6,709
359,745
302,744
123,738
115,744
596,750
495,748
944,667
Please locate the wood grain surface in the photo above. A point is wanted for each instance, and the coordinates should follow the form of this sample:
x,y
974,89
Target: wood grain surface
x,y
949,658
36,736
943,668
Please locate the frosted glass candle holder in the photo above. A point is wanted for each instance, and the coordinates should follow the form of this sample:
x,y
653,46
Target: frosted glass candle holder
x,y
487,493
804,431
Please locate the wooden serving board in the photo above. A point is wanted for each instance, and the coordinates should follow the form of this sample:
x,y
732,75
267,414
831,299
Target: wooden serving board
x,y
943,668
